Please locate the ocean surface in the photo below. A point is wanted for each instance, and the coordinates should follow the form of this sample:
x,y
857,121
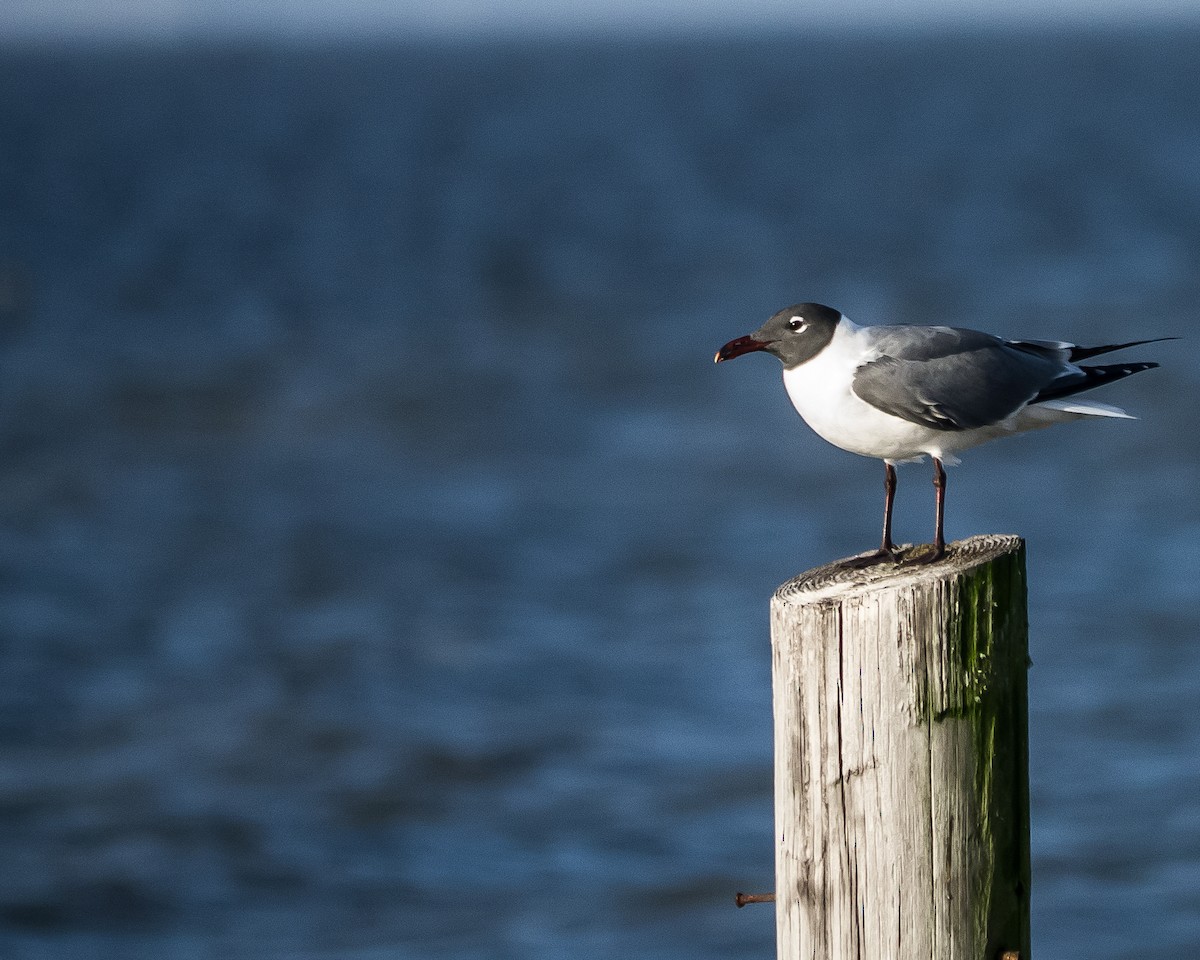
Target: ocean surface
x,y
384,563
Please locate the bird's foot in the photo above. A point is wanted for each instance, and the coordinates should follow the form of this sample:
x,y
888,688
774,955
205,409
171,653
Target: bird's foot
x,y
927,554
882,555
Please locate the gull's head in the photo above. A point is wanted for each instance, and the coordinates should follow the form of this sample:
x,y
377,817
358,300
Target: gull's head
x,y
795,334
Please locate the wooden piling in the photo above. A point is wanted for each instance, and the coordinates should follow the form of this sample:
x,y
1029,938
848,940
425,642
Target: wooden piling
x,y
901,759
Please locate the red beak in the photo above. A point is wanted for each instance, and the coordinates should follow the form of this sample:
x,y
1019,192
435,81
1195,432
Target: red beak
x,y
735,348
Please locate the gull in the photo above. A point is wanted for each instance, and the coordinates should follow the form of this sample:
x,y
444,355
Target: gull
x,y
903,392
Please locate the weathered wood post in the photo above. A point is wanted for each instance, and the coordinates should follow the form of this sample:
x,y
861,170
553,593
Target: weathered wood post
x,y
901,759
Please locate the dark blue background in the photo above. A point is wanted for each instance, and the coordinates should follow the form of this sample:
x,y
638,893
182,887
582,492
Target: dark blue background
x,y
384,564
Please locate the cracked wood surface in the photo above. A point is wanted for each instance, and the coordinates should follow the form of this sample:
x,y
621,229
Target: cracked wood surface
x,y
901,758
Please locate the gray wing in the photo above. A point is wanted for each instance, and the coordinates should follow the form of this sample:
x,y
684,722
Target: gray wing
x,y
952,379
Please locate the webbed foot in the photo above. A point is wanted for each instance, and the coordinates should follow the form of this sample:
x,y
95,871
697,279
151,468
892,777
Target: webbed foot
x,y
882,555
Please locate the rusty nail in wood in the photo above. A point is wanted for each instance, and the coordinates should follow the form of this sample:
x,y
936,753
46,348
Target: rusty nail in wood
x,y
744,898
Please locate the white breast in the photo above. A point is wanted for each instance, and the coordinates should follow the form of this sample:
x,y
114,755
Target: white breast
x,y
820,390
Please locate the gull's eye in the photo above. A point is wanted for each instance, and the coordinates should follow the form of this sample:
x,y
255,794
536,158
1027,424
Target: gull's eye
x,y
797,324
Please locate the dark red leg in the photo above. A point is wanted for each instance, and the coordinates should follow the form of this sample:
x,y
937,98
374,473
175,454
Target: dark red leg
x,y
889,498
939,538
939,485
887,549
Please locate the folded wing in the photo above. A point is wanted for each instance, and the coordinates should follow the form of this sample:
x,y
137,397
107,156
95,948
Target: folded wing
x,y
950,379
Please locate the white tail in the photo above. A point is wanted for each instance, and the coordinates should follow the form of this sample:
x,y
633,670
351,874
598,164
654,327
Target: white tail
x,y
1086,408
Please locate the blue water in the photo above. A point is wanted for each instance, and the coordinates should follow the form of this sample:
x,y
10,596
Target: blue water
x,y
384,563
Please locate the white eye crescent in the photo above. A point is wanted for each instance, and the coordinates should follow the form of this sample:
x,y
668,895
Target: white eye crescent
x,y
797,324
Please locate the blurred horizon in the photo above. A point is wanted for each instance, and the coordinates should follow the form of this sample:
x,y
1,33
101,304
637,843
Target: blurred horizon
x,y
24,21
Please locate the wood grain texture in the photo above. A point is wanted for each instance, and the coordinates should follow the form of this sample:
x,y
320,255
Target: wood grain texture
x,y
901,758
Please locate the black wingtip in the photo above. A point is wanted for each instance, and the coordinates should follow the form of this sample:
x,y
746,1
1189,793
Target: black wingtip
x,y
1092,377
1082,353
